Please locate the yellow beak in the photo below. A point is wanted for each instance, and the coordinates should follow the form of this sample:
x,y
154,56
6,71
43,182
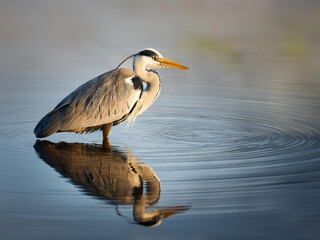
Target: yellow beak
x,y
169,63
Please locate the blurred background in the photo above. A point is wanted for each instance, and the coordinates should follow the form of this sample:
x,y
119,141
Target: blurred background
x,y
236,138
74,37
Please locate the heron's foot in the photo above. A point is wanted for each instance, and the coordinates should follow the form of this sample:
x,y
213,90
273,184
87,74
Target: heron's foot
x,y
106,145
106,129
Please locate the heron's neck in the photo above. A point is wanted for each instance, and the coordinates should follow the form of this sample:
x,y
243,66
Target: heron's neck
x,y
152,90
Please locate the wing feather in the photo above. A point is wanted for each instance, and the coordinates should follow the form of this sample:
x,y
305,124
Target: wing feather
x,y
104,99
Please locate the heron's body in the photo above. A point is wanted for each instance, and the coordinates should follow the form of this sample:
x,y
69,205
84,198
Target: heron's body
x,y
106,100
94,104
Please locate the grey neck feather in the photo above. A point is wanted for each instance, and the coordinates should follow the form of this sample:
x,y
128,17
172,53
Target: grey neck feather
x,y
152,90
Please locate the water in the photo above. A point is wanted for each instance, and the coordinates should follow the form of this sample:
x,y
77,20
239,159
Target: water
x,y
230,149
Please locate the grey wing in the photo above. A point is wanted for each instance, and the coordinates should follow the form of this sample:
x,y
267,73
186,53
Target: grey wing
x,y
107,98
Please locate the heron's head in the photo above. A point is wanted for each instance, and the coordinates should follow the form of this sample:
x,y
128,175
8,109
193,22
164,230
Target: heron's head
x,y
152,58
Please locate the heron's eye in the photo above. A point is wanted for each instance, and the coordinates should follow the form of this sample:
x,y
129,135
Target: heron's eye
x,y
154,58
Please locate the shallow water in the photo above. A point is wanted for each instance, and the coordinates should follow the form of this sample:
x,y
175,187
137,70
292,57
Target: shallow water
x,y
230,149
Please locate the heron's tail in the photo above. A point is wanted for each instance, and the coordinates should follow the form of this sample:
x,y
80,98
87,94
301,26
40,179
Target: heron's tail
x,y
48,125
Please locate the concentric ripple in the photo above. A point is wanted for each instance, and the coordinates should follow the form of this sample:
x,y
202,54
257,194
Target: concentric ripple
x,y
235,128
236,149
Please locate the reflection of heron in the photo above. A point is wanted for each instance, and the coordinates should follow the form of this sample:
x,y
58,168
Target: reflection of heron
x,y
109,174
108,99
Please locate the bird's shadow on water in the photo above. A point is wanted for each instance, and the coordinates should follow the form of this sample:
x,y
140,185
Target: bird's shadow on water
x,y
111,175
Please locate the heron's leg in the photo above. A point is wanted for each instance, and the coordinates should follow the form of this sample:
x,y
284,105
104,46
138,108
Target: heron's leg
x,y
106,145
106,129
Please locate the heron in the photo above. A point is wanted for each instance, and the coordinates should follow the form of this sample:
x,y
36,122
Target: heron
x,y
109,99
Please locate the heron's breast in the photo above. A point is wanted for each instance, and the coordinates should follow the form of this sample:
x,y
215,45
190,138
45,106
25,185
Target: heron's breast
x,y
134,81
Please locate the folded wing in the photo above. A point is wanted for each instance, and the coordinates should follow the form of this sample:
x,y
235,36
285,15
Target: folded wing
x,y
107,98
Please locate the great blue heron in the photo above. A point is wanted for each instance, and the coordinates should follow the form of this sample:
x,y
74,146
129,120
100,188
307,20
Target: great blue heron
x,y
108,99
